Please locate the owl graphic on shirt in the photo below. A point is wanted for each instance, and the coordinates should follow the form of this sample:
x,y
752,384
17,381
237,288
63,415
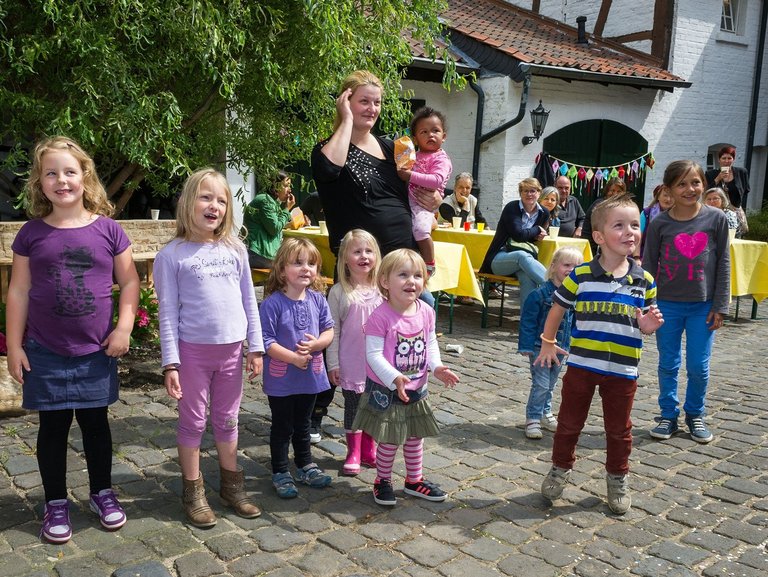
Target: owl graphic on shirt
x,y
411,353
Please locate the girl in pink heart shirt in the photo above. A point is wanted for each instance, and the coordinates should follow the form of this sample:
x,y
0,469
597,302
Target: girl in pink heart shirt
x,y
688,251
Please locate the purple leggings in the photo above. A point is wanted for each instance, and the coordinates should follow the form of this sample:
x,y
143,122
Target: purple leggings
x,y
209,375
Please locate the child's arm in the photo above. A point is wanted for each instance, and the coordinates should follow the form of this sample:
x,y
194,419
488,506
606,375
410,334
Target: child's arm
x,y
438,171
17,310
384,371
338,305
549,348
119,340
253,360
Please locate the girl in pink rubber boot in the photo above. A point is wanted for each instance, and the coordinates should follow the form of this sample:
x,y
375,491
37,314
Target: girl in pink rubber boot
x,y
352,299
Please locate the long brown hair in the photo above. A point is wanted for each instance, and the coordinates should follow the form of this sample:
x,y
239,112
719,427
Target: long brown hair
x,y
95,198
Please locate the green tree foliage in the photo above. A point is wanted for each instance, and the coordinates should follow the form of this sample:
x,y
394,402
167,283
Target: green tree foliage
x,y
155,88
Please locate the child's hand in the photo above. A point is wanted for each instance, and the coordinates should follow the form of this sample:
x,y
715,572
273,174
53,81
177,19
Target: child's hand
x,y
404,174
301,360
447,376
400,383
308,346
714,320
117,343
254,363
652,320
173,384
548,355
17,359
333,376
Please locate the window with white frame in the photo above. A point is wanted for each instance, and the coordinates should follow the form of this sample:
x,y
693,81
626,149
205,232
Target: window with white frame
x,y
729,20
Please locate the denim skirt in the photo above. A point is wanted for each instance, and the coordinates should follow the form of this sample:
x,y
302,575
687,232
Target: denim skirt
x,y
60,382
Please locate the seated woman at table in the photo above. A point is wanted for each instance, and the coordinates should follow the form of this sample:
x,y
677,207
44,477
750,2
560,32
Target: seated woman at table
x,y
461,202
264,218
716,198
312,209
549,199
512,250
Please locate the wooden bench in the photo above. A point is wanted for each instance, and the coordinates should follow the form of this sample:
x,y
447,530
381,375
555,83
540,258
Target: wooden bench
x,y
486,280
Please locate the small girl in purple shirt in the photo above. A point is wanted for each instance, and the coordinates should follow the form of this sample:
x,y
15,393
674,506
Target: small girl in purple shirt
x,y
297,325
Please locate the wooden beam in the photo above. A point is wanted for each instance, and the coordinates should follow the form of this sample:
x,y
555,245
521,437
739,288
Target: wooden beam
x,y
602,18
634,37
662,31
535,6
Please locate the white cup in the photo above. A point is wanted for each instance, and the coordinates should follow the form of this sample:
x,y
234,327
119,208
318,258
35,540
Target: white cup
x,y
323,227
456,222
155,214
554,231
731,234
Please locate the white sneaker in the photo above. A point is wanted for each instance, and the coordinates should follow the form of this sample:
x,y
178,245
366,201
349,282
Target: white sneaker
x,y
549,422
314,435
533,429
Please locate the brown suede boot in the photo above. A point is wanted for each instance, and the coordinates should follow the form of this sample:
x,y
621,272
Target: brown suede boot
x,y
233,494
196,505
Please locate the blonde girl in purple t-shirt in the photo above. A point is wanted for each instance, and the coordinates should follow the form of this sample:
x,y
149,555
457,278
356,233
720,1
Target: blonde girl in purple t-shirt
x,y
401,349
352,300
62,346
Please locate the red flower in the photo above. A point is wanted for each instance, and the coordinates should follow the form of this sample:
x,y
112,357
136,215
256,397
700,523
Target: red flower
x,y
143,317
3,347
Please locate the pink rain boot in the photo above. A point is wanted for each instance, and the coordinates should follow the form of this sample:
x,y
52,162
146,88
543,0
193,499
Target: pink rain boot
x,y
352,464
368,451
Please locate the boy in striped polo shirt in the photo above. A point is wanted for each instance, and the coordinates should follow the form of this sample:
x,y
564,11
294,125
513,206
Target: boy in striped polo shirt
x,y
614,302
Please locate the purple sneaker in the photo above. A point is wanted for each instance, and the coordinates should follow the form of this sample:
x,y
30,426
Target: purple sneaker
x,y
106,506
56,525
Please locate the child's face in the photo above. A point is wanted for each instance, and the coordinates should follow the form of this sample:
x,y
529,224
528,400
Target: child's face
x,y
404,284
365,104
613,191
299,273
361,258
620,234
665,200
210,209
61,179
688,189
429,134
563,268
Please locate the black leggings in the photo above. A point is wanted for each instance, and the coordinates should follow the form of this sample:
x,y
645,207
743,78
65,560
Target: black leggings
x,y
52,441
290,425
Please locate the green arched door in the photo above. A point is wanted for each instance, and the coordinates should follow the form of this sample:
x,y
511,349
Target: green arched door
x,y
598,143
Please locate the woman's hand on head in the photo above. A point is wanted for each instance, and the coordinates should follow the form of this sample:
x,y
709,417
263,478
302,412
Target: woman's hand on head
x,y
343,107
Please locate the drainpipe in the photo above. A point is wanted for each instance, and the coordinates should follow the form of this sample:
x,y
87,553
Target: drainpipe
x,y
756,100
525,73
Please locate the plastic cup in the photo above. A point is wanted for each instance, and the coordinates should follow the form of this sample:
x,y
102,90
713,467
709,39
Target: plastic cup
x,y
323,227
480,226
554,231
467,225
456,222
155,213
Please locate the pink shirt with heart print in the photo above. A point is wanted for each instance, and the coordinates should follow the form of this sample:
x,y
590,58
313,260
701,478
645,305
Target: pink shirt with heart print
x,y
690,259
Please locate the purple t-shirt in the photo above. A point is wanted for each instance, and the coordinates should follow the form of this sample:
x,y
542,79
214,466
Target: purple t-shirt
x,y
285,321
70,296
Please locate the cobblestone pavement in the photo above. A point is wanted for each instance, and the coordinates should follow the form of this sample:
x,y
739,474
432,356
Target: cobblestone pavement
x,y
697,509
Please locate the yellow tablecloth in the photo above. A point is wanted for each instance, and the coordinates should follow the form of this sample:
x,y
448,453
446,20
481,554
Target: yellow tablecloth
x,y
477,244
454,275
749,269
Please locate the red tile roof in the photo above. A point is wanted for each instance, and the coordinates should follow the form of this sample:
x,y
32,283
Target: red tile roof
x,y
542,42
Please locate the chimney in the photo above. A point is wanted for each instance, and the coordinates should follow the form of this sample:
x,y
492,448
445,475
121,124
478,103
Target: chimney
x,y
580,22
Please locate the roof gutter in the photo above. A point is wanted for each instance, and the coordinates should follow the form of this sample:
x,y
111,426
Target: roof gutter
x,y
426,63
603,78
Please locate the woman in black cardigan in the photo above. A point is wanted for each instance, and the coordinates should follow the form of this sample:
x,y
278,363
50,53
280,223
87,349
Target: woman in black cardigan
x,y
734,180
512,252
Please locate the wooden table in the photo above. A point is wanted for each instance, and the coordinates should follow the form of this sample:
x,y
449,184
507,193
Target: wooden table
x,y
749,271
477,244
454,268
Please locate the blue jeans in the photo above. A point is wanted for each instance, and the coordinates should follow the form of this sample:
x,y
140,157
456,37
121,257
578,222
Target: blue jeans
x,y
543,381
529,272
691,318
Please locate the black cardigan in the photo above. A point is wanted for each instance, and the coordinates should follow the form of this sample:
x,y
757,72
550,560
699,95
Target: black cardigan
x,y
511,226
736,189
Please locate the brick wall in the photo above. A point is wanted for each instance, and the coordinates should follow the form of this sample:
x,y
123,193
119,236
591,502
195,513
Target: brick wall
x,y
146,235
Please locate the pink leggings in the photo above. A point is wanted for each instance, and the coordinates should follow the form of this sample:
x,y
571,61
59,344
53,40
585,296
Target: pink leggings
x,y
413,452
209,375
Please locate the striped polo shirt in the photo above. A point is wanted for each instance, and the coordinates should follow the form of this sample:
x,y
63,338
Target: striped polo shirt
x,y
605,337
